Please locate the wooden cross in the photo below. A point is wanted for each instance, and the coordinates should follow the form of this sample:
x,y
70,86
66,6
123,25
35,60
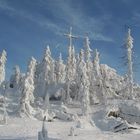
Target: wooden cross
x,y
70,36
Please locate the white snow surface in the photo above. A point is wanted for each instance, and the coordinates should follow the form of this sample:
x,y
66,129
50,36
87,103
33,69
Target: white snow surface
x,y
27,129
95,126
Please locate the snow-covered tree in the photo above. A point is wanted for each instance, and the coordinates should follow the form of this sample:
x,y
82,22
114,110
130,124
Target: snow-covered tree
x,y
15,78
27,96
45,73
60,70
68,74
46,66
30,78
129,47
3,59
83,85
73,63
87,51
97,80
52,75
96,64
80,63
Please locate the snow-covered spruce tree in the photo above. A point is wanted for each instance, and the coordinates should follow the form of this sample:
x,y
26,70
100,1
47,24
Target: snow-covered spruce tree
x,y
46,66
68,74
15,78
45,73
60,70
73,62
27,96
76,77
88,53
97,64
83,86
80,61
129,47
30,77
52,76
97,80
3,59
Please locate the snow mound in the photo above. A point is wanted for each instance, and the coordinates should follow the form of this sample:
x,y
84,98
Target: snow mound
x,y
130,111
111,121
104,123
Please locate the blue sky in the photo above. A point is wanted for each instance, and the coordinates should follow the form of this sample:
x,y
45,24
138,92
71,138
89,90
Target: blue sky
x,y
27,26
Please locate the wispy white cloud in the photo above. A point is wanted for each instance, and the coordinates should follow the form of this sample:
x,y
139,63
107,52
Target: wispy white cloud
x,y
102,37
65,12
81,21
42,22
135,19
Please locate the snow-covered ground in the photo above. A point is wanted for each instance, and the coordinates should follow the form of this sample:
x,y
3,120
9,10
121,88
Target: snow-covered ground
x,y
27,129
96,126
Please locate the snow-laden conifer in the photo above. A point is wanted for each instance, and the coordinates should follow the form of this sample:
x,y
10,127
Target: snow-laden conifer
x,y
60,70
27,96
3,59
129,47
83,84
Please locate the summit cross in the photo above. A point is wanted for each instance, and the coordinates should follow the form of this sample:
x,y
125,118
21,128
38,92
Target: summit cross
x,y
70,36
